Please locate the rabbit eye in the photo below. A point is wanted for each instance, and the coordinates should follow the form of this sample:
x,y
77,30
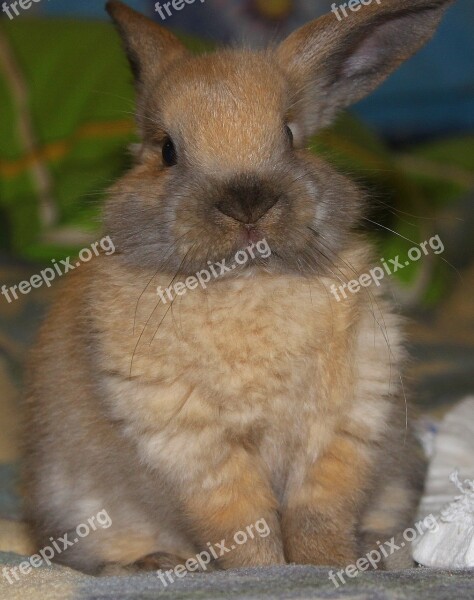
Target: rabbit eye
x,y
170,157
289,134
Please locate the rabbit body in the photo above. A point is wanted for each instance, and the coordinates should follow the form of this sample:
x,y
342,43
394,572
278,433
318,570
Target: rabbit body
x,y
260,396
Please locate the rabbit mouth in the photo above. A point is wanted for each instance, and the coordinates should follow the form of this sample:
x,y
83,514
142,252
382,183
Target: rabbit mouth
x,y
250,234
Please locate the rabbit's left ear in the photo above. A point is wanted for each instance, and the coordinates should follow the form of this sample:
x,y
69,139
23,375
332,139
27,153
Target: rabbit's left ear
x,y
149,47
336,60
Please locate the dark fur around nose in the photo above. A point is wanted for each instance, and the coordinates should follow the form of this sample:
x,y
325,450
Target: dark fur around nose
x,y
247,198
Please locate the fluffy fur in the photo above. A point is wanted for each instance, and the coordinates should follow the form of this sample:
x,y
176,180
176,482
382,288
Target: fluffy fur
x,y
261,396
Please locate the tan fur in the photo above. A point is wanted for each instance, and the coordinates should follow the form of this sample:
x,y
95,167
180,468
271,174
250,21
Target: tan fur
x,y
259,397
173,412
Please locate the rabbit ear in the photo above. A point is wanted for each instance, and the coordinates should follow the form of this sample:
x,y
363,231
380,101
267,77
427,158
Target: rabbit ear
x,y
149,46
337,60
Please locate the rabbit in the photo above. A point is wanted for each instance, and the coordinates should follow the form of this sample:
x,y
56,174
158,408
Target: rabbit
x,y
259,396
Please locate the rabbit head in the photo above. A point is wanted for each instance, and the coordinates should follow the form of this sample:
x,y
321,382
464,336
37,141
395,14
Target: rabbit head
x,y
222,161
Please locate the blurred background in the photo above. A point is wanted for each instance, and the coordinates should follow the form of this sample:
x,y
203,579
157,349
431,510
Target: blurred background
x,y
66,119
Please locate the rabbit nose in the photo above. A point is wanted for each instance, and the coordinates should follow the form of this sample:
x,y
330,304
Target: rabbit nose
x,y
246,200
246,210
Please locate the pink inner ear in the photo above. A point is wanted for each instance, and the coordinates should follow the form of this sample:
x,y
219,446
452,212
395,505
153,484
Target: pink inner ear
x,y
383,44
364,59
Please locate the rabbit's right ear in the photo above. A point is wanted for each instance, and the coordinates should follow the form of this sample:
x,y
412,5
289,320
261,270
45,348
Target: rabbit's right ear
x,y
150,47
336,60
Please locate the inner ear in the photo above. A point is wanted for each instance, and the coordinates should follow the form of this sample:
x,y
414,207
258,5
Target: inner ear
x,y
383,44
364,58
331,64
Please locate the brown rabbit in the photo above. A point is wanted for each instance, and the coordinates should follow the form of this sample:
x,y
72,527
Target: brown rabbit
x,y
259,396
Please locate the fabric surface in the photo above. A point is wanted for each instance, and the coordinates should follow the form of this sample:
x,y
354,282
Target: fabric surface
x,y
451,472
451,543
454,450
275,583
